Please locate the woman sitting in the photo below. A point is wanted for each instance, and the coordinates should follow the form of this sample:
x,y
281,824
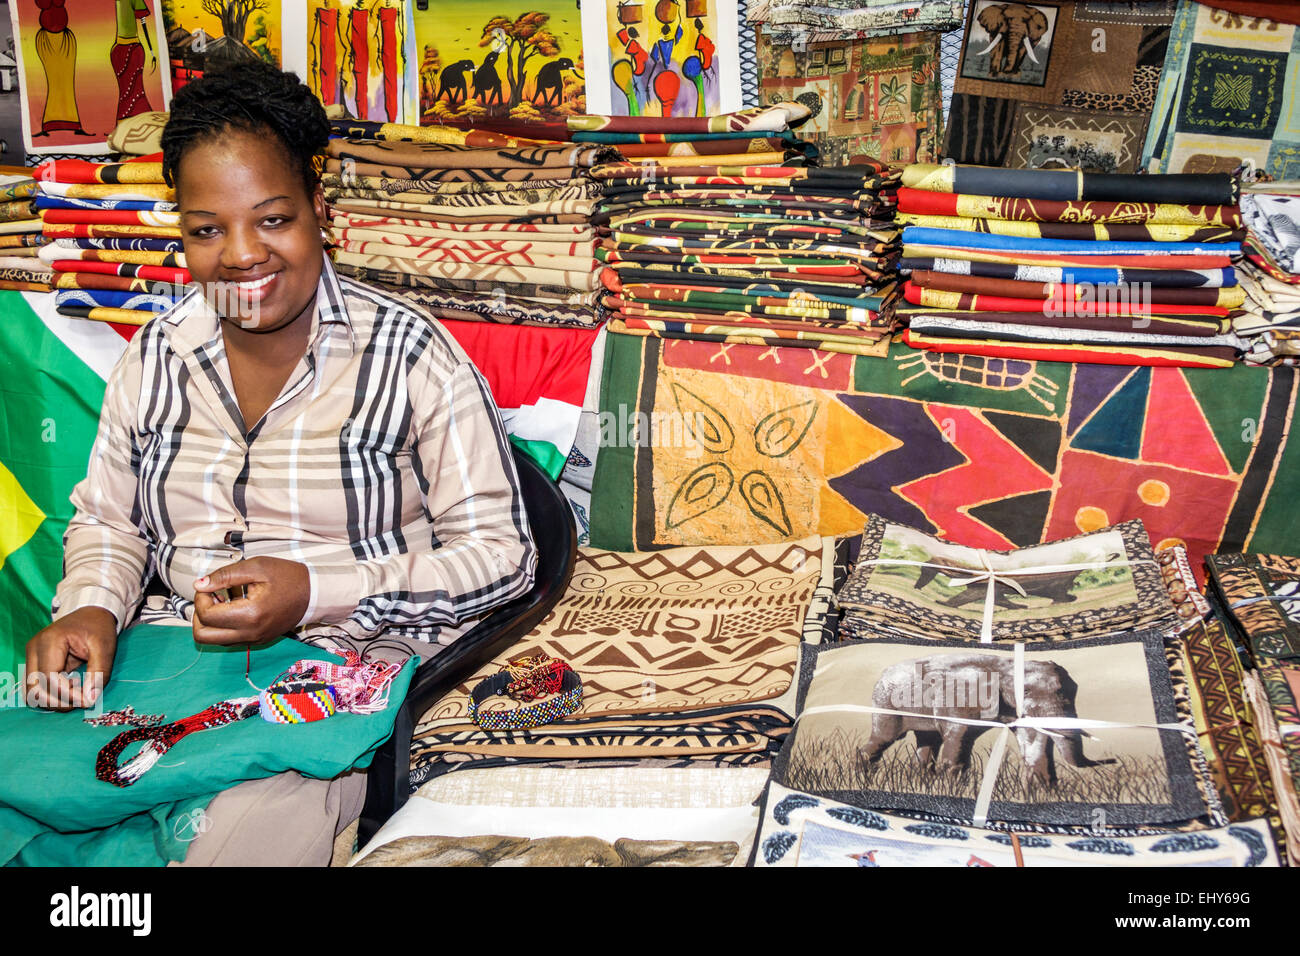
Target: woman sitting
x,y
286,450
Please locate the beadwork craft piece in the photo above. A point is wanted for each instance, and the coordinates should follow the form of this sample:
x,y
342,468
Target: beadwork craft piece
x,y
125,717
528,679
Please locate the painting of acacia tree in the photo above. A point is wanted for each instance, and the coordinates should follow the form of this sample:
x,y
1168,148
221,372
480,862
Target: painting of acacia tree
x,y
482,59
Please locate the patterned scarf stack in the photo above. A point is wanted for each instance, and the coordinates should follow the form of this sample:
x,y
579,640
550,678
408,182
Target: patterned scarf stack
x,y
1270,274
757,247
20,238
468,224
112,238
1071,266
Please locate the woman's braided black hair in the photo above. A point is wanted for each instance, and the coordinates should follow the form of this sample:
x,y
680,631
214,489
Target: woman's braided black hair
x,y
253,97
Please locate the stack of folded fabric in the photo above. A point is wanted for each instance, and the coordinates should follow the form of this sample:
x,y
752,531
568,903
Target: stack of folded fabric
x,y
1020,708
1258,596
20,237
112,237
1071,266
755,247
468,224
688,653
1270,274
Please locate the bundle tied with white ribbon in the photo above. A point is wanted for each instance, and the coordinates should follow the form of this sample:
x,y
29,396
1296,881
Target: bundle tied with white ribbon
x,y
993,577
1051,726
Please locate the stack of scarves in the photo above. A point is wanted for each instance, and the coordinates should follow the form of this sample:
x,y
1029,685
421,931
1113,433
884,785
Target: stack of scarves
x,y
1070,266
112,237
21,270
1270,274
688,654
467,224
754,246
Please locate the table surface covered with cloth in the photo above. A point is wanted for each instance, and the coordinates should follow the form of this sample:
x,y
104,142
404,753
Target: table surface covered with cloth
x,y
55,812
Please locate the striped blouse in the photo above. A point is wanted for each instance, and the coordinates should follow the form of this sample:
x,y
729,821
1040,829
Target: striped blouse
x,y
382,466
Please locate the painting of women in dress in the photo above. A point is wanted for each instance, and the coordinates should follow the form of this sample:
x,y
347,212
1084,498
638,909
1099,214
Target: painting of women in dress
x,y
82,67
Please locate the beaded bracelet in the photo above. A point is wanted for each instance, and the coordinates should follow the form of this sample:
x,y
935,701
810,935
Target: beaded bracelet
x,y
298,702
523,718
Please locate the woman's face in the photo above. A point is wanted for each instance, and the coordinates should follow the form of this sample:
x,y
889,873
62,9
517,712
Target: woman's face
x,y
251,232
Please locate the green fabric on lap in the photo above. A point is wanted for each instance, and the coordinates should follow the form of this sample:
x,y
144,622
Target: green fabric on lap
x,y
53,810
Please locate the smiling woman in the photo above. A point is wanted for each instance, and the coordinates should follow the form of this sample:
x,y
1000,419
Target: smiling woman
x,y
285,450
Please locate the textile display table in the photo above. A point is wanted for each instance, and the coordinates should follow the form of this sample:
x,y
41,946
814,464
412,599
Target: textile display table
x,y
764,444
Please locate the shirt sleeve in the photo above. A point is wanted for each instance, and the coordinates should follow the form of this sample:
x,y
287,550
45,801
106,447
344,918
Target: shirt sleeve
x,y
484,553
106,552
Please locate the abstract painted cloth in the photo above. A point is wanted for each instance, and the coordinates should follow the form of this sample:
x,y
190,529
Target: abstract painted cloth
x,y
505,309
22,240
1138,761
1167,356
115,300
127,269
91,280
639,815
1056,86
456,252
27,189
124,245
514,243
750,335
1182,261
588,281
798,829
141,205
57,813
468,192
112,217
770,119
440,156
912,584
877,97
1122,328
131,192
694,648
1260,594
983,451
534,291
566,210
100,313
1174,278
1226,96
56,251
445,175
1273,692
927,203
86,231
547,232
1073,185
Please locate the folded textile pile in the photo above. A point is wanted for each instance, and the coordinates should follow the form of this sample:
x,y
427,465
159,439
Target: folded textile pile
x,y
112,238
857,17
468,224
755,247
1270,274
20,237
688,653
1071,266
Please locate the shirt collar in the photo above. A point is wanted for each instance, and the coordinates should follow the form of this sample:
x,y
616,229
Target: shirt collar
x,y
194,324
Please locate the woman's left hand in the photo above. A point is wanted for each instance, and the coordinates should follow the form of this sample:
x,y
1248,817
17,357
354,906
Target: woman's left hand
x,y
275,597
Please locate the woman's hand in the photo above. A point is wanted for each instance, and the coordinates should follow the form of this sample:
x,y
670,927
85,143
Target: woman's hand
x,y
86,636
275,593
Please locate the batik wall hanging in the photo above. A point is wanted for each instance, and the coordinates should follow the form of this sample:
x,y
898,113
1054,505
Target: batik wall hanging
x,y
361,55
479,60
1056,85
816,19
1226,96
802,830
906,583
877,98
958,733
569,816
81,71
984,452
675,58
205,34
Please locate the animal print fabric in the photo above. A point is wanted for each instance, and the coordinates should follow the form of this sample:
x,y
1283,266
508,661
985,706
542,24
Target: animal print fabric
x,y
1261,595
891,593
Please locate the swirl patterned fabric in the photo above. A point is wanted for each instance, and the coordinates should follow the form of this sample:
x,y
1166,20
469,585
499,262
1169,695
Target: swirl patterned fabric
x,y
1260,594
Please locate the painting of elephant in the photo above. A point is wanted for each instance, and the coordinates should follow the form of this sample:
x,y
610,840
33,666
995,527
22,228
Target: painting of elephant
x,y
1055,586
974,686
1014,33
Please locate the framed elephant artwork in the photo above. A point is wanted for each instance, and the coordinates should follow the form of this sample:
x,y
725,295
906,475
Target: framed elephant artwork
x,y
922,726
910,583
1010,42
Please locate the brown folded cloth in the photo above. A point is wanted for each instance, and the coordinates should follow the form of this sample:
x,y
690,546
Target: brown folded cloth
x,y
516,174
1020,289
444,156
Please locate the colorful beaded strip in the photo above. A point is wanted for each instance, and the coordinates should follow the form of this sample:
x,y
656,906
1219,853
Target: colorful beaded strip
x,y
523,718
296,702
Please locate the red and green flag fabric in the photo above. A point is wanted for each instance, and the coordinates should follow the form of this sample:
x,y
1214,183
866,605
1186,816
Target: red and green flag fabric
x,y
52,374
538,377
